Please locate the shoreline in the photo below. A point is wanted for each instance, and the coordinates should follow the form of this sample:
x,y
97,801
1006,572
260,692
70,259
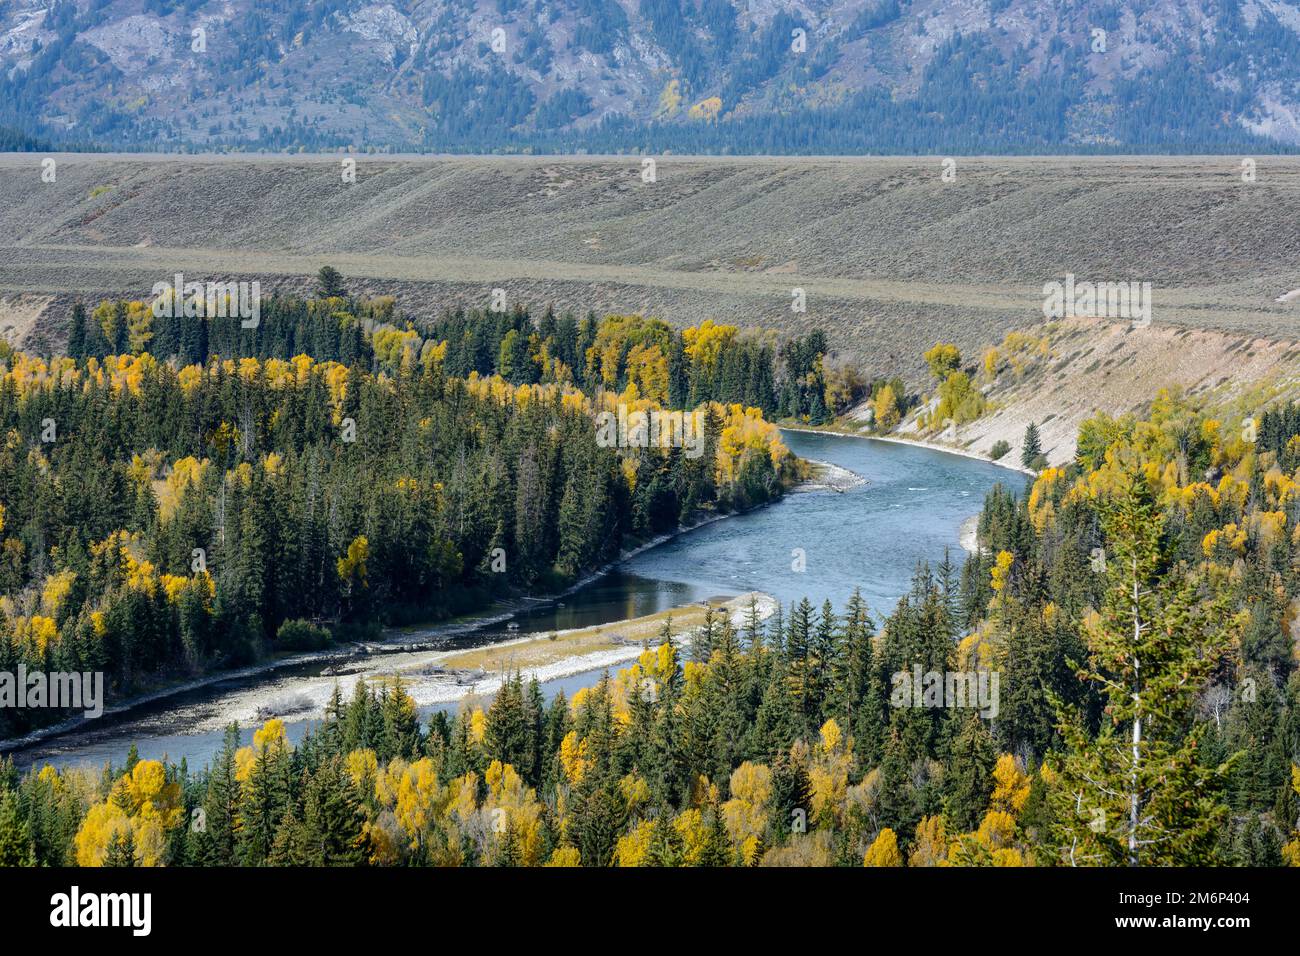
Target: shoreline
x,y
392,643
919,443
439,678
568,666
838,479
828,476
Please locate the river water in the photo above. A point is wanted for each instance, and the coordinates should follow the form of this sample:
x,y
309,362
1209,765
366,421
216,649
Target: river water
x,y
871,536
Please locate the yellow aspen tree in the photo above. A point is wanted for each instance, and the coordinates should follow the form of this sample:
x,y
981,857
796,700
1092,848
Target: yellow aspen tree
x,y
930,848
884,850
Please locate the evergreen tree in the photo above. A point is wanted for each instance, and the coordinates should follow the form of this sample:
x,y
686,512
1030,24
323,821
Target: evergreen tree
x,y
1138,794
77,333
329,283
121,849
1031,449
221,805
969,781
16,848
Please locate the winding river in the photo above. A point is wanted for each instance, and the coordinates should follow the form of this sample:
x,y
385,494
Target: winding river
x,y
871,536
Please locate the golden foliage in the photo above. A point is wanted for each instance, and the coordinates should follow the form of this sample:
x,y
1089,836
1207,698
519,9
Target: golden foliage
x,y
706,109
573,757
143,803
1010,785
704,343
884,850
745,814
885,408
930,848
352,566
634,846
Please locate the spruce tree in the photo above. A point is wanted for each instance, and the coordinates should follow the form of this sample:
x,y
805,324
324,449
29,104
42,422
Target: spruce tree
x,y
1138,793
969,780
16,848
329,283
221,805
121,849
1031,449
77,333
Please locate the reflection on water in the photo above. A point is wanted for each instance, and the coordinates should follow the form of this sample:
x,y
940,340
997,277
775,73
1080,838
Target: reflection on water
x,y
616,596
871,536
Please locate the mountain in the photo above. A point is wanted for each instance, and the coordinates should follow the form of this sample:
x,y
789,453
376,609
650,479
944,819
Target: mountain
x,y
701,76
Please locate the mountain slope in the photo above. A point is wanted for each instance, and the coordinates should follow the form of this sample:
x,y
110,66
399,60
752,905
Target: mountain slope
x,y
778,76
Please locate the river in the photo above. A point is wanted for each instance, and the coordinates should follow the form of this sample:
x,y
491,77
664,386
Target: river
x,y
871,536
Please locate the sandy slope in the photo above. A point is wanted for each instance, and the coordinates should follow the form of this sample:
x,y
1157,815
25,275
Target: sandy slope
x,y
1115,368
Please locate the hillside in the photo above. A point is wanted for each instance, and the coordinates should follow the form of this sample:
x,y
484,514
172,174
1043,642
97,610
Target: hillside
x,y
699,76
1063,373
890,257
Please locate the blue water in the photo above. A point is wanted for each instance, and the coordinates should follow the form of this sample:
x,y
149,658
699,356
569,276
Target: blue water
x,y
910,509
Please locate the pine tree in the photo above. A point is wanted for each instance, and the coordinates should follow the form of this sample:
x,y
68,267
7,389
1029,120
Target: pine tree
x,y
329,283
853,665
1032,449
121,337
899,809
77,333
798,649
506,737
262,805
290,845
717,845
969,780
824,652
401,733
704,636
332,824
1138,794
16,847
667,848
221,805
791,797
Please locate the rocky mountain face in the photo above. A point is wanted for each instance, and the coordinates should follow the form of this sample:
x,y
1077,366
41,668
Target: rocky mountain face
x,y
778,76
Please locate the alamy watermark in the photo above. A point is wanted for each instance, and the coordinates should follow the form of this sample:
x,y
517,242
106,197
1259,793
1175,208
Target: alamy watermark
x,y
1097,300
57,690
653,429
221,300
974,690
133,911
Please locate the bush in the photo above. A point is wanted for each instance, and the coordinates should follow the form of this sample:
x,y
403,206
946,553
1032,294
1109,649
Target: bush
x,y
301,635
1000,448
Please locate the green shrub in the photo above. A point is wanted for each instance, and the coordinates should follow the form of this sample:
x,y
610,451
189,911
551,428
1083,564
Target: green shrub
x,y
300,635
1000,448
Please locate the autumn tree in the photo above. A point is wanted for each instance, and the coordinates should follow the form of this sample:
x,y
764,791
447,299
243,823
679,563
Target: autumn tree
x,y
943,358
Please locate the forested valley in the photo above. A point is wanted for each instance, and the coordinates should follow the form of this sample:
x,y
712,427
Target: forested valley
x,y
183,495
1138,605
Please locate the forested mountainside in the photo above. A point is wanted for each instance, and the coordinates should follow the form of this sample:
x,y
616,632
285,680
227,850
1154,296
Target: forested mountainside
x,y
697,76
182,494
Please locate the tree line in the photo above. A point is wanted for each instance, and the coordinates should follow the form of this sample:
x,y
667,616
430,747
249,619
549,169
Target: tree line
x,y
160,520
